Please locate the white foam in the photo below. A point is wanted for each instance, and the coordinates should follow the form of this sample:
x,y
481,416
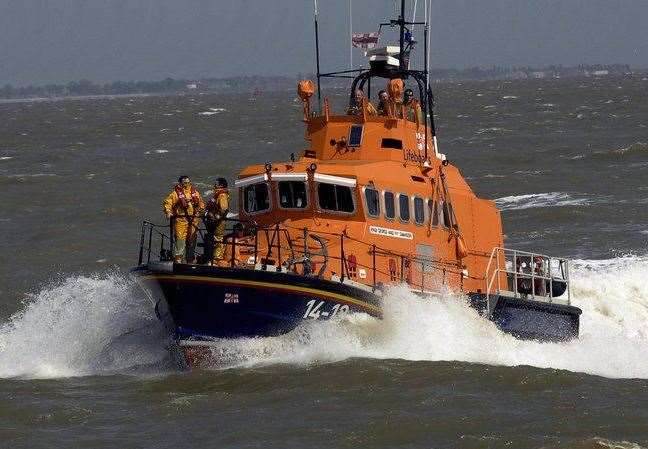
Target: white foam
x,y
101,324
213,111
5,158
613,342
82,326
549,199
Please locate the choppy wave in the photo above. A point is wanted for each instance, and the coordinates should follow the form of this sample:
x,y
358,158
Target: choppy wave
x,y
549,199
96,325
636,149
82,326
613,295
213,111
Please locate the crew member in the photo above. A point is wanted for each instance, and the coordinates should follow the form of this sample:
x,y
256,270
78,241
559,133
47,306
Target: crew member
x,y
356,107
412,106
395,90
238,248
183,206
383,103
215,222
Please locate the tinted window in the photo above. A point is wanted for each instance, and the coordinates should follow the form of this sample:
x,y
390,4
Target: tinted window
x,y
373,203
355,135
403,206
256,198
392,143
292,194
419,211
334,197
390,209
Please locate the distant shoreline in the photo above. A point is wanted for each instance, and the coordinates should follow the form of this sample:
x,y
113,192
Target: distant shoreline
x,y
86,90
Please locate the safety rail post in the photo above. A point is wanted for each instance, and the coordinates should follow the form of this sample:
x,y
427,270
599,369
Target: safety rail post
x,y
550,280
422,276
150,240
172,236
533,289
497,270
256,244
515,274
278,247
568,282
141,251
232,259
373,254
342,258
162,237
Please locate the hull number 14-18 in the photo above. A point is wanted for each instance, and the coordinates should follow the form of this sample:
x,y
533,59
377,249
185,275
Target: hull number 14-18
x,y
316,310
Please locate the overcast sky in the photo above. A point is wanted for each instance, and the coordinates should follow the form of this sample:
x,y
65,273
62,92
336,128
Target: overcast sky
x,y
43,41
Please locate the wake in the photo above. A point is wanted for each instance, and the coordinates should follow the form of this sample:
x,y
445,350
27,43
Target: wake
x,y
106,325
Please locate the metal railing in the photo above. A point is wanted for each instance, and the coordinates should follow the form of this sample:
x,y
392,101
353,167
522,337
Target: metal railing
x,y
301,251
527,275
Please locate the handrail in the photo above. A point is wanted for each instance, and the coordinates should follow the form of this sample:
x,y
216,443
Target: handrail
x,y
278,238
538,272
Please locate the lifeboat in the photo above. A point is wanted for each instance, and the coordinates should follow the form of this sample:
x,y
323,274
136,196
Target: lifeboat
x,y
370,203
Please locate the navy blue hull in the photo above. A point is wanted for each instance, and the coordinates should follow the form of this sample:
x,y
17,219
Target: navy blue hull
x,y
206,303
531,320
199,304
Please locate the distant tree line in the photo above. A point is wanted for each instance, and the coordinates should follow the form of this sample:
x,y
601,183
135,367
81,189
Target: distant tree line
x,y
259,83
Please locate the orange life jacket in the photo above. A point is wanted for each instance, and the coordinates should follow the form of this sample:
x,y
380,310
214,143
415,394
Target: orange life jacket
x,y
213,206
182,198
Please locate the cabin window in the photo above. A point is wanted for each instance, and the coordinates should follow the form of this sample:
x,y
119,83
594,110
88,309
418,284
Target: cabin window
x,y
403,207
419,211
390,208
336,198
292,194
396,144
442,213
373,202
256,198
355,135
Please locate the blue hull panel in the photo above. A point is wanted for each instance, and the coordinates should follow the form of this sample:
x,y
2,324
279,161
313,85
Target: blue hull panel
x,y
228,303
199,304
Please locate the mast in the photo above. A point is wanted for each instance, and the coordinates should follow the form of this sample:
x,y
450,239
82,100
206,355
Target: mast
x,y
317,58
401,23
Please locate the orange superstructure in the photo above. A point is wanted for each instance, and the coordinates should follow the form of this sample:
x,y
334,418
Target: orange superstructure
x,y
425,222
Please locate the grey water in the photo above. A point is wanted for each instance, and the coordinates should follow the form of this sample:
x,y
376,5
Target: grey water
x,y
83,361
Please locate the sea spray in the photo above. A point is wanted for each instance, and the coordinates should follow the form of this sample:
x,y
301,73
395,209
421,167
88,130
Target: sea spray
x,y
613,339
81,326
104,324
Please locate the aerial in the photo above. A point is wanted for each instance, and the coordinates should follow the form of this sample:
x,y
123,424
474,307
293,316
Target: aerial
x,y
343,223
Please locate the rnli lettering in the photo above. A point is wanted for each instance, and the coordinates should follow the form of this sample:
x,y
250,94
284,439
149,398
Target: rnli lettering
x,y
413,156
231,298
391,233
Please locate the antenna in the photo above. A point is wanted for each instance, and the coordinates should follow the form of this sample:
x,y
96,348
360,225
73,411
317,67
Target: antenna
x,y
317,58
350,34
